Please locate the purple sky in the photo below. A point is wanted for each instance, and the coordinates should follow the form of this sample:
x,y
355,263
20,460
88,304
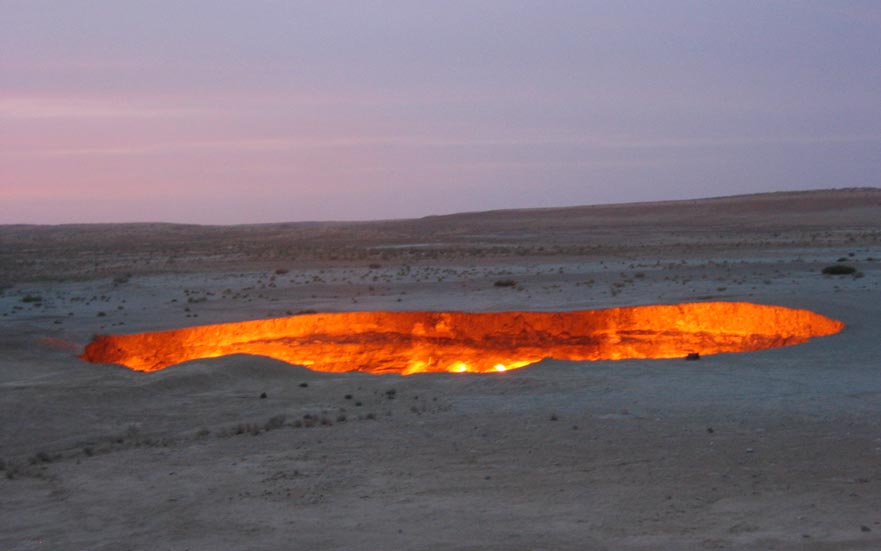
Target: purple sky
x,y
223,112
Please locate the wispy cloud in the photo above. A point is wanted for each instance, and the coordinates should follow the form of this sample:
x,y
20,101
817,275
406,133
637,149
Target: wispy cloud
x,y
25,107
268,145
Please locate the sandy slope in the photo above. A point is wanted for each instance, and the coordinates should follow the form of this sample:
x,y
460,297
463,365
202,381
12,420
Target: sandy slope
x,y
771,450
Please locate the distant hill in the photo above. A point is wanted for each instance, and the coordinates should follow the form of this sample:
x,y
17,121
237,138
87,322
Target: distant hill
x,y
759,220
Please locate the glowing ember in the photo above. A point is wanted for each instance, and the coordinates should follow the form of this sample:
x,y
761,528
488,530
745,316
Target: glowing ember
x,y
459,342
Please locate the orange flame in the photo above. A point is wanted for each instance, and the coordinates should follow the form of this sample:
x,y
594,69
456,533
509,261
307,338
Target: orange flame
x,y
459,342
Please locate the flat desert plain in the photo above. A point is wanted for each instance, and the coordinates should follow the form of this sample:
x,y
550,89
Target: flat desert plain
x,y
774,449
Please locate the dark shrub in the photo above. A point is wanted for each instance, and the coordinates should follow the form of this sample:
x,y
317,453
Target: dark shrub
x,y
839,269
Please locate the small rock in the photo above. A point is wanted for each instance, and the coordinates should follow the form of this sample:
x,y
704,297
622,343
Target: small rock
x,y
710,430
262,395
865,528
304,385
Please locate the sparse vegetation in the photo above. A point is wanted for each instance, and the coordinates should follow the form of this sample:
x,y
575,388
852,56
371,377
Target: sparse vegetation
x,y
246,428
275,422
40,457
505,283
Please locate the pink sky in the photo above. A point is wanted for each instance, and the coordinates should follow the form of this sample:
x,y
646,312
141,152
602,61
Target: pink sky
x,y
233,112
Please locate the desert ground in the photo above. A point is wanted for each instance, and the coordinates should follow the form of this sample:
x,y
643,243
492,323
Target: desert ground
x,y
776,449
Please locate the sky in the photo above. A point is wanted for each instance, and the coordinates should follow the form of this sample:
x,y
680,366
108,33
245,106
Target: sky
x,y
251,111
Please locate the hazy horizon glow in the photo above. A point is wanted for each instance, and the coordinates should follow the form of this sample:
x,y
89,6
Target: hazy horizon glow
x,y
229,112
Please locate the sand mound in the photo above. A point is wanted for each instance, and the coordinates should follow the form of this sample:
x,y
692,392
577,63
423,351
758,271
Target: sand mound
x,y
238,369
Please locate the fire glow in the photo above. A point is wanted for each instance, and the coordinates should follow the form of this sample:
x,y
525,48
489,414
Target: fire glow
x,y
462,342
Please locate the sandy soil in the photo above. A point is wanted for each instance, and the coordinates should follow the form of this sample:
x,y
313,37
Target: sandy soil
x,y
779,449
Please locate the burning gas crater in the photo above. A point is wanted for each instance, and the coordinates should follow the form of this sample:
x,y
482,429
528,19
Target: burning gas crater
x,y
458,342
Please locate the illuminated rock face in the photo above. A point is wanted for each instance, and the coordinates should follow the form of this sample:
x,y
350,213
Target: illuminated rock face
x,y
419,342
